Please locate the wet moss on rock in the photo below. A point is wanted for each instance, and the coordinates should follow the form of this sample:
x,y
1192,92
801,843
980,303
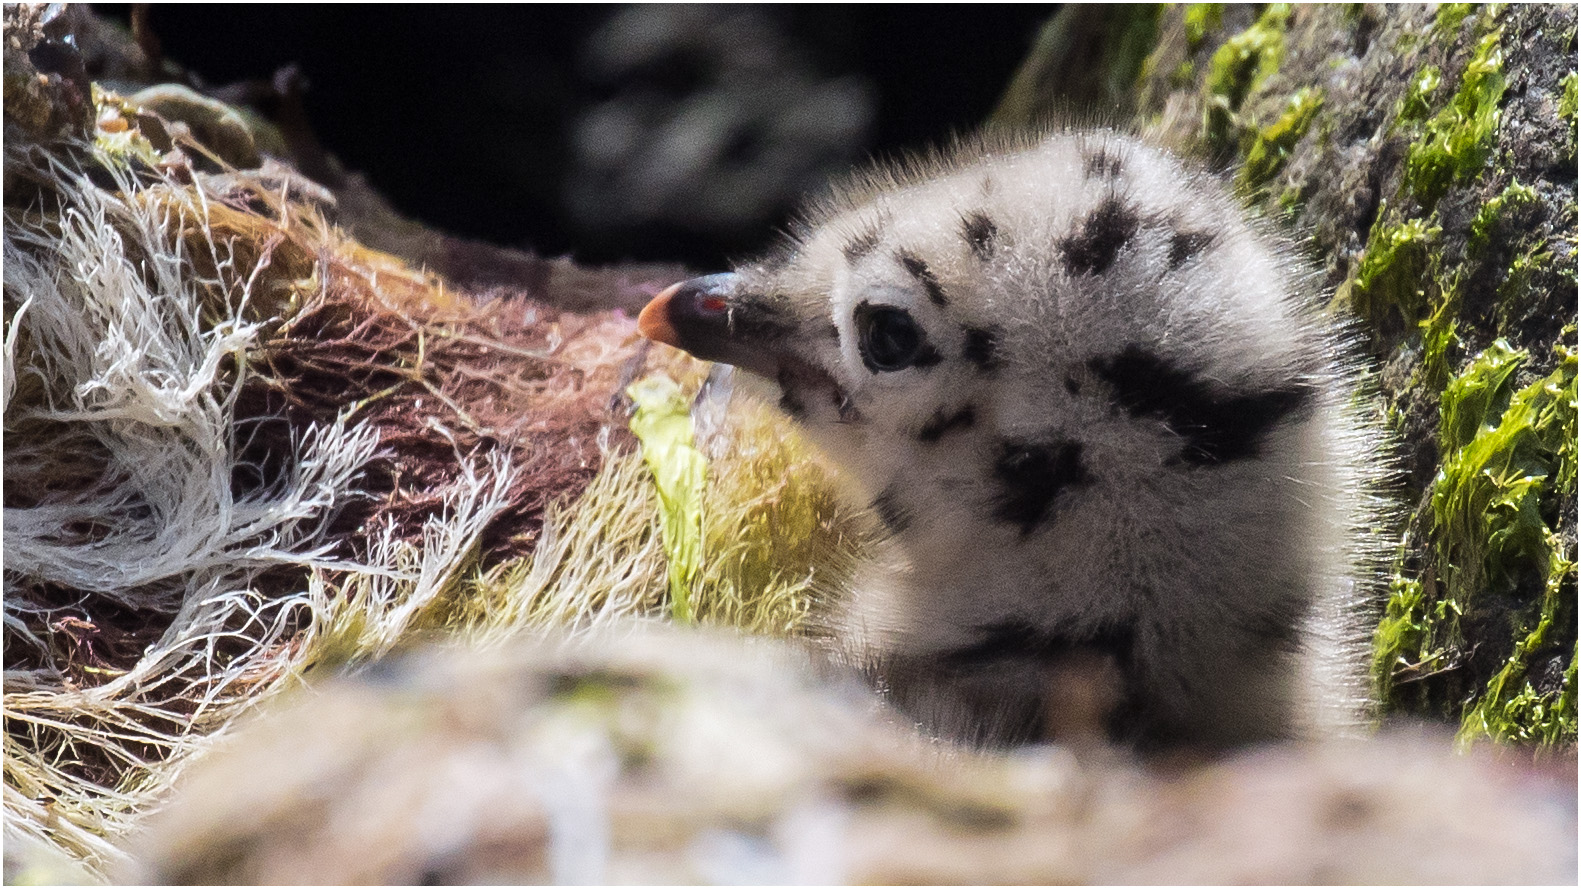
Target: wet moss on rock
x,y
1240,65
1272,146
1390,287
1456,142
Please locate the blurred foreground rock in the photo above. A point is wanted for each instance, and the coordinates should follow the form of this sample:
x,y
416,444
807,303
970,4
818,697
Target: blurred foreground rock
x,y
680,757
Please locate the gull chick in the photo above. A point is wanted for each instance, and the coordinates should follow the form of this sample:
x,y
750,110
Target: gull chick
x,y
1120,452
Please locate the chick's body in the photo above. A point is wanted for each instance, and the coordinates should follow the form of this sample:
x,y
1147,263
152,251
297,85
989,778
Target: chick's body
x,y
1105,424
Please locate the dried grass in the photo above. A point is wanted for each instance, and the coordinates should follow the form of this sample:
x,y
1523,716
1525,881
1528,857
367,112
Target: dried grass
x,y
142,590
777,545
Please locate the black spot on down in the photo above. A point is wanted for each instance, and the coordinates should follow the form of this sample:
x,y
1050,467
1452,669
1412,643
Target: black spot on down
x,y
980,233
1030,475
861,244
982,347
1103,233
918,269
1186,245
941,423
1215,425
790,395
1018,638
894,514
1101,163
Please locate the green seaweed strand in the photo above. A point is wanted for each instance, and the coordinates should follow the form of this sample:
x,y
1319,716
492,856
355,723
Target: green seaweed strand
x,y
1456,142
663,423
1504,451
1238,67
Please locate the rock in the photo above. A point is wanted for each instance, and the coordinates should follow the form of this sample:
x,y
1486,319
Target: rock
x,y
666,756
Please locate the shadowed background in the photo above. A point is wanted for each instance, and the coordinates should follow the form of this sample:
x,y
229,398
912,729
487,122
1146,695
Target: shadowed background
x,y
610,133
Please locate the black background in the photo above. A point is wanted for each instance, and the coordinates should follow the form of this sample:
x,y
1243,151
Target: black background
x,y
434,103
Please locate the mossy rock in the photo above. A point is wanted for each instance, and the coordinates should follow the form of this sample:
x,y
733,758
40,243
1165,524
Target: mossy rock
x,y
1430,155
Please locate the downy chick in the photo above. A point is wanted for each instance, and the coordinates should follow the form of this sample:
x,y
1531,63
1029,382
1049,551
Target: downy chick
x,y
1113,439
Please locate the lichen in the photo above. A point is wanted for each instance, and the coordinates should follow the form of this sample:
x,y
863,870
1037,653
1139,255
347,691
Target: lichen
x,y
1455,143
1241,65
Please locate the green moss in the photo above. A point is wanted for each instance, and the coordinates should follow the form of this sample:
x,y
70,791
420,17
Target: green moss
x,y
1495,212
1504,451
663,423
1512,709
1450,15
1237,68
1485,497
1417,103
1567,98
1487,503
119,147
1399,640
1291,199
1478,396
1565,476
1439,337
1272,146
1456,142
1509,457
1502,225
776,530
1521,286
1201,19
1390,287
1250,57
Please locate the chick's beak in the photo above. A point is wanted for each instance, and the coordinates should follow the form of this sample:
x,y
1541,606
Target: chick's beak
x,y
684,311
699,316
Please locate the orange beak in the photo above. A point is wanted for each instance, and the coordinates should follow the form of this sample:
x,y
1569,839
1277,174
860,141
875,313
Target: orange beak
x,y
654,322
710,318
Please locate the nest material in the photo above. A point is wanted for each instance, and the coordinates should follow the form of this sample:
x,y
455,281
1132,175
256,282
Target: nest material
x,y
240,445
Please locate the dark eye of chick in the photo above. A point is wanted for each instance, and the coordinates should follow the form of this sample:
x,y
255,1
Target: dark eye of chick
x,y
887,337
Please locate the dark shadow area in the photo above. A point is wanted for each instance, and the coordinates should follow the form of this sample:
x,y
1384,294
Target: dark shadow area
x,y
612,132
